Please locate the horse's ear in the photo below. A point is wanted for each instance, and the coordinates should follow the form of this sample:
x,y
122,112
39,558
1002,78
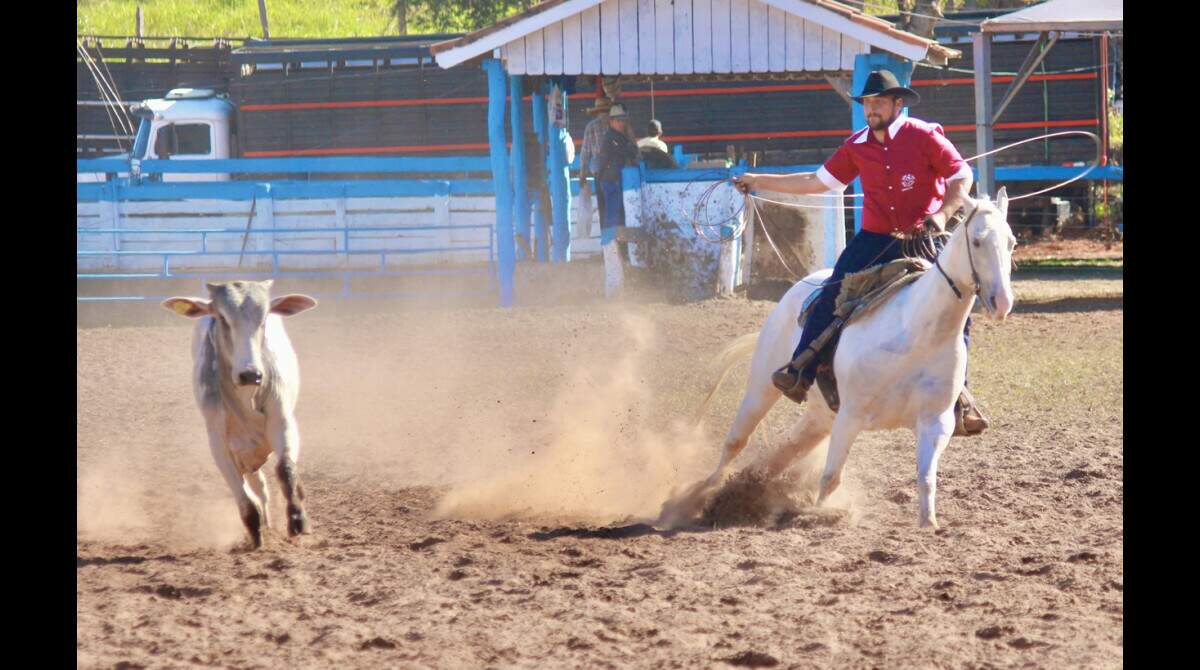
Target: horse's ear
x,y
1002,200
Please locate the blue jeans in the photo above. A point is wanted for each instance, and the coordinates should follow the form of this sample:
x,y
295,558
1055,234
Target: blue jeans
x,y
866,249
613,210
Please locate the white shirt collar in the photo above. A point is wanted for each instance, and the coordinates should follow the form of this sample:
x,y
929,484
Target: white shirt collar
x,y
892,129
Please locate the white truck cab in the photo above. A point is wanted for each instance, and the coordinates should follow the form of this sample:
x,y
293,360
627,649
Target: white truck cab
x,y
186,124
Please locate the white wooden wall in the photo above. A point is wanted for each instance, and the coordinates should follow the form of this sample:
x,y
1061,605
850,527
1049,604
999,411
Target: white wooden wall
x,y
359,214
681,37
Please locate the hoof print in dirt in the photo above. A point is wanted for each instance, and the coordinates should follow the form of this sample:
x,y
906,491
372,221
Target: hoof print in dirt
x,y
1083,556
900,498
576,643
128,665
887,558
1025,643
751,659
175,593
425,544
1083,475
377,643
993,632
456,575
279,565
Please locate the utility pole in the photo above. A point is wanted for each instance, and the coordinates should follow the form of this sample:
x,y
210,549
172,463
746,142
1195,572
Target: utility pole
x,y
138,24
262,17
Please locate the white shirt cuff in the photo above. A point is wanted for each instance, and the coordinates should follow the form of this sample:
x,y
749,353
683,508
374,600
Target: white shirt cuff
x,y
829,180
963,173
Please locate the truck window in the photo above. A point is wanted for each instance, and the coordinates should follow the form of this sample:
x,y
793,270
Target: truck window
x,y
183,139
193,139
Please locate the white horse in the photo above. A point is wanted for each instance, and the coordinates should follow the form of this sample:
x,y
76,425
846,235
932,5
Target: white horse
x,y
900,366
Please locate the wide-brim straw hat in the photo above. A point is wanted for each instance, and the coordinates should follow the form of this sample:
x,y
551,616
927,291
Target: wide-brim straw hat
x,y
883,82
601,104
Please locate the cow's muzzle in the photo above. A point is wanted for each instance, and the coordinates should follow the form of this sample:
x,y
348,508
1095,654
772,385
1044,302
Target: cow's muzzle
x,y
250,377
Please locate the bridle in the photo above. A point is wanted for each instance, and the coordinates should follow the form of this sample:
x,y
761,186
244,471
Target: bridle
x,y
970,257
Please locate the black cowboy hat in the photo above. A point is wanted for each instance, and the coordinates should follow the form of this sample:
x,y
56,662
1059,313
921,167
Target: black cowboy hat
x,y
883,82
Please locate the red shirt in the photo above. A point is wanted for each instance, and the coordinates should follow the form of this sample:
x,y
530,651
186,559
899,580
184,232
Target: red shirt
x,y
903,178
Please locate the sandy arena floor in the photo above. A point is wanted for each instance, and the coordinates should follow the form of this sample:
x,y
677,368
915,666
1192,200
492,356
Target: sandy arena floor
x,y
476,480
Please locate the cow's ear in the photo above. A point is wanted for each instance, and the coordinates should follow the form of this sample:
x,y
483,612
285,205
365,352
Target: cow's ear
x,y
190,307
293,303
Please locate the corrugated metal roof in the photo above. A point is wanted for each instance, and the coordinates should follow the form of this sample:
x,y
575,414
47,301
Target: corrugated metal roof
x,y
1080,15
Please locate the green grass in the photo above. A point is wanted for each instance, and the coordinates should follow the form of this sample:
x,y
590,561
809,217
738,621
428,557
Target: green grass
x,y
238,18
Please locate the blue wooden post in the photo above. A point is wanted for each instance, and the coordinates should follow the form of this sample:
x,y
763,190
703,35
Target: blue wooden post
x,y
560,193
505,246
863,65
520,186
539,126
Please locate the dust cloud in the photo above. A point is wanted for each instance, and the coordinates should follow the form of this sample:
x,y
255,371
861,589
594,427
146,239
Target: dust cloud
x,y
604,460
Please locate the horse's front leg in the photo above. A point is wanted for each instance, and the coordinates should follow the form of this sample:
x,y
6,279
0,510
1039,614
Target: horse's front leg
x,y
933,434
846,427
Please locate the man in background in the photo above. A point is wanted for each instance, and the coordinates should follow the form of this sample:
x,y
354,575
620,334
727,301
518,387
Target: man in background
x,y
654,151
617,151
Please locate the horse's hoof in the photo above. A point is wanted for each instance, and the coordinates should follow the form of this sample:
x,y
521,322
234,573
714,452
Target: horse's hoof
x,y
298,523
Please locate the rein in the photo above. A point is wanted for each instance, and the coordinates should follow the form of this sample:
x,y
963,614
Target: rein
x,y
970,257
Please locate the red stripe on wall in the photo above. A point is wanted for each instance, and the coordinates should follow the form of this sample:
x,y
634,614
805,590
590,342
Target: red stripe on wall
x,y
677,92
970,127
356,151
426,148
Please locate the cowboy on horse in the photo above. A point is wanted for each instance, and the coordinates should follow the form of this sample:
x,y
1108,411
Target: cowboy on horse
x,y
914,181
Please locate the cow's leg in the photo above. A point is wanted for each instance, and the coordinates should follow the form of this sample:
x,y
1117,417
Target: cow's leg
x,y
807,433
846,427
285,440
933,434
248,507
258,484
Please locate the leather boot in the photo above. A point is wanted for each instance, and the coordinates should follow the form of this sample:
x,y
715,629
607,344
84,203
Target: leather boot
x,y
793,385
968,420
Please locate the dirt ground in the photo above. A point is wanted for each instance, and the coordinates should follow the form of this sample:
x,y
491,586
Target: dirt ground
x,y
479,482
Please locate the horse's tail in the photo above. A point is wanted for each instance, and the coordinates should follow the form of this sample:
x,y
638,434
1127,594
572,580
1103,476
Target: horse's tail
x,y
731,355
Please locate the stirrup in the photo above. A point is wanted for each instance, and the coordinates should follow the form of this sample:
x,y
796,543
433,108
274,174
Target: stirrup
x,y
968,420
794,388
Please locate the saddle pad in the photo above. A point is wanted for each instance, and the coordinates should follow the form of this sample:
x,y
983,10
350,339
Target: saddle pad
x,y
863,291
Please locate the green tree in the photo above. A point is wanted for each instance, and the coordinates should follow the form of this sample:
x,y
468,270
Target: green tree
x,y
452,15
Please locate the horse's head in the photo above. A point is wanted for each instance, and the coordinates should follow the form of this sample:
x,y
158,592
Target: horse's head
x,y
990,253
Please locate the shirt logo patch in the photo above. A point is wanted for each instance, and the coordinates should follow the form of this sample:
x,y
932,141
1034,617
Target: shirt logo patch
x,y
907,181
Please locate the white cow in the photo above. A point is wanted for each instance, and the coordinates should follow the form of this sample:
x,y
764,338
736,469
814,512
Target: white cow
x,y
246,381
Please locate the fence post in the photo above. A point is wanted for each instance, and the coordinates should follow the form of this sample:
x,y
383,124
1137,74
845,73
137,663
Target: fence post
x,y
500,179
560,191
540,230
748,243
519,182
441,215
339,212
113,212
268,223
